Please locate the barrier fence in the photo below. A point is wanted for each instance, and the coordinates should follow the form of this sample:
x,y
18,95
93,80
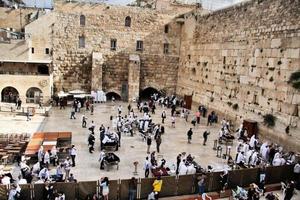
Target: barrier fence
x,y
172,185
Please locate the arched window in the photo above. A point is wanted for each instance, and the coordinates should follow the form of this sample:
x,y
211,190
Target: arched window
x,y
34,95
127,21
9,94
82,20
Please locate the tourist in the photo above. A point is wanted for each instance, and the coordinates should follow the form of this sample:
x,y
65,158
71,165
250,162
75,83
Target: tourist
x,y
67,167
178,160
189,134
289,191
209,120
201,184
92,109
14,192
61,104
147,167
186,114
163,116
44,174
104,184
158,142
53,156
157,185
240,160
87,105
198,117
73,153
79,106
92,127
205,136
132,189
224,179
41,156
28,115
129,108
91,142
119,109
72,113
47,158
149,141
173,121
48,193
83,120
71,179
194,121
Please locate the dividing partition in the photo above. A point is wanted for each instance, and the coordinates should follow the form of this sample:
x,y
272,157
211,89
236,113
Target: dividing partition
x,y
172,185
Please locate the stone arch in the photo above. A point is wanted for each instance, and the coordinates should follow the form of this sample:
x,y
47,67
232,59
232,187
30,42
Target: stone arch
x,y
146,93
34,95
9,94
128,21
111,94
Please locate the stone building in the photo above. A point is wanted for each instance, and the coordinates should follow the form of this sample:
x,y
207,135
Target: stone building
x,y
236,61
25,56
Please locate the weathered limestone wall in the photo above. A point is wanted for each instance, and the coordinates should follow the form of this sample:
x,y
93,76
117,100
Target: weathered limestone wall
x,y
14,18
244,55
73,65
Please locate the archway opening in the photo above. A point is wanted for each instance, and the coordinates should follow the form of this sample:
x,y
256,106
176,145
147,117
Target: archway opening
x,y
110,95
9,94
148,92
34,95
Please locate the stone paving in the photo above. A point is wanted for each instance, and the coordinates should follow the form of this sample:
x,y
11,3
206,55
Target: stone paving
x,y
132,149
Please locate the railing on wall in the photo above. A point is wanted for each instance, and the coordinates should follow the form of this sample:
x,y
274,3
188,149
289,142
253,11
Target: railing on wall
x,y
172,185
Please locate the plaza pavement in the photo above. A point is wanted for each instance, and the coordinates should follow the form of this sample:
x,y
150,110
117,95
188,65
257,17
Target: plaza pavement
x,y
174,141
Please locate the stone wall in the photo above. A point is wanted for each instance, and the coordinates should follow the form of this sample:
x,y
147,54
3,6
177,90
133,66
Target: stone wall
x,y
14,18
244,55
73,65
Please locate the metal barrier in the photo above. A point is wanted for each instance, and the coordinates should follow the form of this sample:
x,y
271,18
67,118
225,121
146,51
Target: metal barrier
x,y
172,185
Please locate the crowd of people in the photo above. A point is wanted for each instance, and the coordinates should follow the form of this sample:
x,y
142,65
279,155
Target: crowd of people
x,y
249,152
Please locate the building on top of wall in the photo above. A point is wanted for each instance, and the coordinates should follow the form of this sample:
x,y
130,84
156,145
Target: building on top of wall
x,y
26,61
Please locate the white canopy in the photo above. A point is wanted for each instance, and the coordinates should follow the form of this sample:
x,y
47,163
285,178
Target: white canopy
x,y
82,95
62,94
77,92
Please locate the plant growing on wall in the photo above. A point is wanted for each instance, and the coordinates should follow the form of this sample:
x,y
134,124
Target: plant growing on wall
x,y
295,80
269,120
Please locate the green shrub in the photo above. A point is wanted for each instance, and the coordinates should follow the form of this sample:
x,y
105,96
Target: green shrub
x,y
269,120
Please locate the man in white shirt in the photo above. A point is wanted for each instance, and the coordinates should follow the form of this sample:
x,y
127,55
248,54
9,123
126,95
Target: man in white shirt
x,y
253,141
73,153
241,159
147,166
5,180
44,174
